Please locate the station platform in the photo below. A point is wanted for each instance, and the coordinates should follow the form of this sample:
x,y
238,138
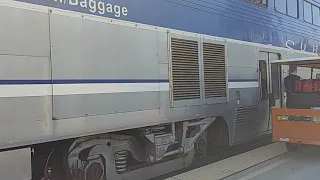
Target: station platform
x,y
269,162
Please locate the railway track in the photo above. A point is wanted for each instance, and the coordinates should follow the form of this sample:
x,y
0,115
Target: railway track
x,y
220,154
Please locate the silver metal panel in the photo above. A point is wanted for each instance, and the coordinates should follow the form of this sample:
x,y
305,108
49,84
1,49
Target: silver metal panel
x,y
81,126
216,100
69,106
181,103
25,119
195,112
240,55
98,50
163,48
248,96
24,67
24,32
240,73
164,71
15,164
273,57
165,110
263,56
164,95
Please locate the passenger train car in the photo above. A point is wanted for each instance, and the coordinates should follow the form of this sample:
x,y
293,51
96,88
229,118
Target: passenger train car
x,y
132,89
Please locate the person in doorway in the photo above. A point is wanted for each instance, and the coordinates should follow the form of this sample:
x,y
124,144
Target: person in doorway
x,y
290,82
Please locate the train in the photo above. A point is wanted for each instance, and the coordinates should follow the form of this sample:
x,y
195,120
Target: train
x,y
119,89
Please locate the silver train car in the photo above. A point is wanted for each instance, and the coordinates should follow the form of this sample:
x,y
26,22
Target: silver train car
x,y
88,97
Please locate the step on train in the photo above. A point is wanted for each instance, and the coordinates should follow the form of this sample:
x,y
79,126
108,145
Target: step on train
x,y
119,89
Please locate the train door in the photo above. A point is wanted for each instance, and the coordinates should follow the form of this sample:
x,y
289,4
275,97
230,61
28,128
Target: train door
x,y
274,85
269,87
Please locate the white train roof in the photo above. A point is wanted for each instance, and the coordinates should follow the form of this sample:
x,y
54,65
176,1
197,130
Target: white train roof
x,y
301,62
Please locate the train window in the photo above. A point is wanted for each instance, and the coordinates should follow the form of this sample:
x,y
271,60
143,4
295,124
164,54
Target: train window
x,y
259,2
281,6
307,12
292,8
264,2
311,13
316,15
275,77
263,80
289,7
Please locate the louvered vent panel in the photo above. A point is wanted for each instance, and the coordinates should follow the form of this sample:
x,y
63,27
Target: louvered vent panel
x,y
245,123
185,69
214,63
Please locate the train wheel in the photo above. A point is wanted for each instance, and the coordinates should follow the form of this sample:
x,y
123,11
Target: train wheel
x,y
57,167
201,146
292,147
83,168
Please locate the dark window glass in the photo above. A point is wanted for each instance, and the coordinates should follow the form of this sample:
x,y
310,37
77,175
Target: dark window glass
x,y
275,77
289,7
259,2
292,7
307,12
264,2
263,80
316,15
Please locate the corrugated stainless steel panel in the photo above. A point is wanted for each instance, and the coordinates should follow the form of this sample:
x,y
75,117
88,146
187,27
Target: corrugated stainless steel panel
x,y
245,123
214,62
185,69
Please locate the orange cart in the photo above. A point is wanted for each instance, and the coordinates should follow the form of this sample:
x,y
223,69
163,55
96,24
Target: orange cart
x,y
297,122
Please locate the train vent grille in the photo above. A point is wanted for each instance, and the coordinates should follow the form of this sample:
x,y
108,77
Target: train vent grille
x,y
214,62
185,69
245,123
